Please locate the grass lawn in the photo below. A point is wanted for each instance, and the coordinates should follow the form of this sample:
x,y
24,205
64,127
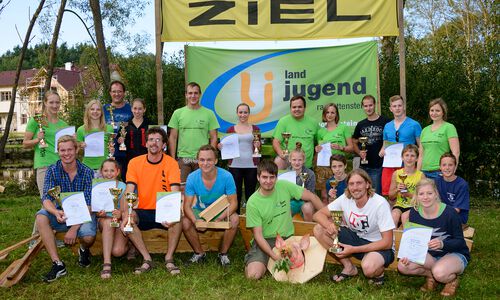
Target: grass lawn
x,y
209,281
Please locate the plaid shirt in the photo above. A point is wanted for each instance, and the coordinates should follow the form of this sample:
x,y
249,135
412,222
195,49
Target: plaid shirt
x,y
56,176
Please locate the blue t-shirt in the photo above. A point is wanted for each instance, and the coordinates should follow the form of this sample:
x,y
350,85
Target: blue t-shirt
x,y
455,194
408,132
224,185
340,186
122,114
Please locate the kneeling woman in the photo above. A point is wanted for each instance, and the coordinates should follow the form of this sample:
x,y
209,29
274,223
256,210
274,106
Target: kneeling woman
x,y
448,254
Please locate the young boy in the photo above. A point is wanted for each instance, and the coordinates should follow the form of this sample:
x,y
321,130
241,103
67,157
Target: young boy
x,y
297,158
338,164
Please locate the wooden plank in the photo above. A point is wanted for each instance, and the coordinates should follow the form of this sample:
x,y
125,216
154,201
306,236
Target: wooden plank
x,y
469,232
5,252
213,225
16,271
215,208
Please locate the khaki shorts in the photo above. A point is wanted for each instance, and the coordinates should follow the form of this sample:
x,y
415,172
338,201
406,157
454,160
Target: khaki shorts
x,y
187,165
255,254
322,175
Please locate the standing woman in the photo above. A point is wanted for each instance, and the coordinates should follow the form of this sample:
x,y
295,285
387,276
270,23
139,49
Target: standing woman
x,y
93,121
244,168
341,142
436,139
44,157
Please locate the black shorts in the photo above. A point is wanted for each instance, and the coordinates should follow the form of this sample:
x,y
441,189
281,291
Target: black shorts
x,y
349,237
402,209
147,219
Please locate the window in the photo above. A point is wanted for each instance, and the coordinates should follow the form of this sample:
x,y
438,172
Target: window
x,y
24,119
5,96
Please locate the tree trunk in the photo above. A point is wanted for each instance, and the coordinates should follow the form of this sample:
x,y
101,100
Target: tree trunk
x,y
5,136
101,45
53,46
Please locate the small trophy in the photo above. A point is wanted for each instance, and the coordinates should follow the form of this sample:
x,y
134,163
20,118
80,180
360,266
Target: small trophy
x,y
123,133
131,199
286,136
110,108
337,220
304,176
363,140
39,119
115,192
322,124
54,192
111,144
403,177
333,183
256,138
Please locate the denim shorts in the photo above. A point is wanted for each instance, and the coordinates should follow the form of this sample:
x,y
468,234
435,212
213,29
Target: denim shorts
x,y
459,256
349,237
86,229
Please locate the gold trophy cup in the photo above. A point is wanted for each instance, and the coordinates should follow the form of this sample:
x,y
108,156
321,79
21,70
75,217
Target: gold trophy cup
x,y
39,119
363,140
115,192
111,116
286,136
131,199
256,138
123,133
403,177
304,176
54,192
111,144
337,216
333,183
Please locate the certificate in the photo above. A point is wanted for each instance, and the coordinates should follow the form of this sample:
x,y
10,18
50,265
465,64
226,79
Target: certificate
x,y
75,209
63,131
324,155
230,147
168,207
95,144
414,242
290,176
392,157
101,197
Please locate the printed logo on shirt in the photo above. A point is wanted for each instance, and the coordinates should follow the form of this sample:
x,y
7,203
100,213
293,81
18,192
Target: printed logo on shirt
x,y
451,197
359,222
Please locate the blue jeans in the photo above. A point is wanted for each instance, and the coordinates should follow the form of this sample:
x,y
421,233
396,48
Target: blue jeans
x,y
86,229
432,174
376,175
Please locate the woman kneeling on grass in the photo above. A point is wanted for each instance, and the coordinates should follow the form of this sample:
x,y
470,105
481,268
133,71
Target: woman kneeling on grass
x,y
448,254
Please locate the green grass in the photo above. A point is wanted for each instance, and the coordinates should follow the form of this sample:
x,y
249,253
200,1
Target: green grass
x,y
209,281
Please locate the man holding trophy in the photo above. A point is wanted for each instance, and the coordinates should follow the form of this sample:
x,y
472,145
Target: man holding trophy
x,y
367,234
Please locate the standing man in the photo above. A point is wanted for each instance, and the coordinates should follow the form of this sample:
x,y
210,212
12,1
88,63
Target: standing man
x,y
367,234
208,184
151,173
71,176
191,127
302,128
269,214
122,112
402,129
372,127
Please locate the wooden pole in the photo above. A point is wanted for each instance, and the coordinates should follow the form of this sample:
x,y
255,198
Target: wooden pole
x,y
158,60
402,60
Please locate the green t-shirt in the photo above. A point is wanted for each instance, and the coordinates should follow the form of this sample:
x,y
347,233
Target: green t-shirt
x,y
272,212
303,130
94,162
337,136
193,127
435,144
45,157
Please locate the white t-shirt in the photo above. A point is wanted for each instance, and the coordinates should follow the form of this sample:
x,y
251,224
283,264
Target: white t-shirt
x,y
370,220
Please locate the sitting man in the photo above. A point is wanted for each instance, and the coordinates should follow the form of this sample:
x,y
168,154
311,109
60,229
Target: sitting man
x,y
367,234
71,176
151,173
269,214
208,184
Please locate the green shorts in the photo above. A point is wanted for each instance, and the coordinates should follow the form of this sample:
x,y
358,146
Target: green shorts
x,y
197,212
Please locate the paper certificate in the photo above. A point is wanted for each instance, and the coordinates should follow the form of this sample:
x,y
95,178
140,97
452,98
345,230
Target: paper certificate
x,y
414,242
95,144
168,207
392,158
324,155
101,197
290,176
75,208
63,131
230,147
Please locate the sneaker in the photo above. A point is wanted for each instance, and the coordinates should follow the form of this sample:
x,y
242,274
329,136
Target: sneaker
x,y
84,257
58,270
197,259
60,244
224,260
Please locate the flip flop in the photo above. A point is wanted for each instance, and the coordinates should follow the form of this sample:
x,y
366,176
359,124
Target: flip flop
x,y
377,281
106,273
173,269
341,277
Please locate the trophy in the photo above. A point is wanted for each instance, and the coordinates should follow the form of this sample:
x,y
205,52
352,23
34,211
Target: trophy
x,y
39,119
333,183
131,199
303,176
286,136
54,192
363,140
123,133
337,220
115,192
110,108
256,138
322,124
111,145
403,177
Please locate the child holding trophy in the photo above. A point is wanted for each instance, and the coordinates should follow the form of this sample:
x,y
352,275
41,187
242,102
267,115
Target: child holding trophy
x,y
335,186
306,179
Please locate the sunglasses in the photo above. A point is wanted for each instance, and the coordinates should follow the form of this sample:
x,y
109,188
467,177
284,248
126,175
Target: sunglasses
x,y
397,136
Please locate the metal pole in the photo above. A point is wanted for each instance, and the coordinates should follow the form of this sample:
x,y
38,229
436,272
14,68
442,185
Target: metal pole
x,y
158,60
402,50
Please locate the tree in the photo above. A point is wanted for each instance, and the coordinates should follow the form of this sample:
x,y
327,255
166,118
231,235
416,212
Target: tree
x,y
53,46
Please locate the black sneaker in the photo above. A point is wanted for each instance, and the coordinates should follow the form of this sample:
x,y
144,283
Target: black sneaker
x,y
84,257
57,271
196,259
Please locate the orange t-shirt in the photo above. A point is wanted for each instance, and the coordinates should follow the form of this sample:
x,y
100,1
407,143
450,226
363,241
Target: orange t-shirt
x,y
151,178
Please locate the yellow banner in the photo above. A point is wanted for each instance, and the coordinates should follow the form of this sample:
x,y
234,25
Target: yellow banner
x,y
217,20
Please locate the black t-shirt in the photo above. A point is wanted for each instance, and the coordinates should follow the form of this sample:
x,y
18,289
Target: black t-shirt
x,y
374,131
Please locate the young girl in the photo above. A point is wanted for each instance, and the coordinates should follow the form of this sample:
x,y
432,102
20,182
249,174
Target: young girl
x,y
336,185
448,254
453,190
403,182
93,121
110,169
297,158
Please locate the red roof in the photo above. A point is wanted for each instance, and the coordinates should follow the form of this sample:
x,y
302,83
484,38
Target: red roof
x,y
68,79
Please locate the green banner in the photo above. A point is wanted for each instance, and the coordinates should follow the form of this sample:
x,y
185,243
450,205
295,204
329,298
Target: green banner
x,y
267,79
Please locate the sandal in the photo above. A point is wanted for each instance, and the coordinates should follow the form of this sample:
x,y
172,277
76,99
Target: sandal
x,y
450,288
341,277
106,273
141,269
171,267
377,281
429,285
